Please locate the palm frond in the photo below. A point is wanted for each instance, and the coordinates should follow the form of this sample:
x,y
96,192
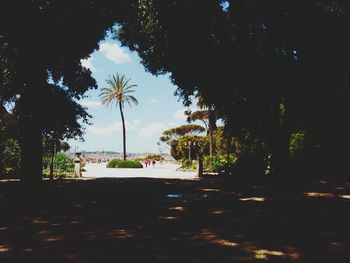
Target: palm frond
x,y
118,90
131,100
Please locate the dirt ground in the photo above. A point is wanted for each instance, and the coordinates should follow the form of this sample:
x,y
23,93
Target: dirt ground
x,y
163,220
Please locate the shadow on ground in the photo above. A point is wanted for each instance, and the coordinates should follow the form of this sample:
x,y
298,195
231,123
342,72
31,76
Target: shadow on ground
x,y
145,220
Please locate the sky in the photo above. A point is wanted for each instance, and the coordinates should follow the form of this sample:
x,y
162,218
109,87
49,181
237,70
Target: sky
x,y
157,111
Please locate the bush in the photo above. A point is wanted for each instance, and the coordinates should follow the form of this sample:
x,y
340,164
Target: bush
x,y
10,153
297,144
113,163
117,163
63,166
218,163
64,163
187,165
156,157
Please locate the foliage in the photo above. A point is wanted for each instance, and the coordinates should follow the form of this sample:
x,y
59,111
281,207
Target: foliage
x,y
156,157
64,163
117,163
10,153
119,92
269,68
50,144
175,133
187,165
63,116
181,150
178,138
200,115
221,142
44,85
9,149
298,143
218,163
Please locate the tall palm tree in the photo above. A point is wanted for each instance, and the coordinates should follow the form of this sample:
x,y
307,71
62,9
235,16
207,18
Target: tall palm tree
x,y
117,93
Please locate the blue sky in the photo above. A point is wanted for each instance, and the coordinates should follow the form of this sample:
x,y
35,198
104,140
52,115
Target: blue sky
x,y
158,108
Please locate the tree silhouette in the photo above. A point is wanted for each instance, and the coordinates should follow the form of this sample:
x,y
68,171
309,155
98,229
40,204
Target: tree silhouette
x,y
42,42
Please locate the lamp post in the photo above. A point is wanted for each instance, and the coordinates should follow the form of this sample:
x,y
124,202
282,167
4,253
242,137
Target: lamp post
x,y
189,144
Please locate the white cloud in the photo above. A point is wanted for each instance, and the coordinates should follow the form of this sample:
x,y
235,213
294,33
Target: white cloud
x,y
111,129
87,63
114,53
154,100
150,129
105,130
90,103
180,115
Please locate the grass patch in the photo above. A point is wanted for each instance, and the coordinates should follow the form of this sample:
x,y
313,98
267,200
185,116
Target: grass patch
x,y
117,163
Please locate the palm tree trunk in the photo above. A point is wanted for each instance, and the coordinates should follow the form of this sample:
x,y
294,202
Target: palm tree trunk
x,y
124,133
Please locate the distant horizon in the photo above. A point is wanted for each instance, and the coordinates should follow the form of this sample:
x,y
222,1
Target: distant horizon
x,y
115,152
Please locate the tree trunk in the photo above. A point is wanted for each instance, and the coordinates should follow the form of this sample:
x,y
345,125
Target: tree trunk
x,y
124,133
30,127
211,142
53,152
210,125
280,142
31,149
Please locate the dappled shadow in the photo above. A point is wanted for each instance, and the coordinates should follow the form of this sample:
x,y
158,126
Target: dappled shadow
x,y
145,220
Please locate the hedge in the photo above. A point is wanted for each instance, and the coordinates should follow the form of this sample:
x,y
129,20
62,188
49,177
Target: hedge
x,y
117,163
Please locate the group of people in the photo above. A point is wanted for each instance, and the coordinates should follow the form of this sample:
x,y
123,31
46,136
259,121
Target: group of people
x,y
97,160
148,162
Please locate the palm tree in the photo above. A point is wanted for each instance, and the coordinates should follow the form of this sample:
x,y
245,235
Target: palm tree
x,y
118,92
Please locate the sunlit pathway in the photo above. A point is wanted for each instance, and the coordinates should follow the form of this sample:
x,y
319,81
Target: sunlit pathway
x,y
164,171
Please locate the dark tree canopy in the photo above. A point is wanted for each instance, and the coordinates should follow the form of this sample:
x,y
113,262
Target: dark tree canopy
x,y
43,42
274,67
271,67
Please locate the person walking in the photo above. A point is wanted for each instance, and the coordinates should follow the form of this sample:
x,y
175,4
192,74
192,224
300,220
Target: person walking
x,y
146,163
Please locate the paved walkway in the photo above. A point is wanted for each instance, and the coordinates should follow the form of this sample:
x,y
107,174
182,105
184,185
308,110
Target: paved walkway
x,y
164,171
172,221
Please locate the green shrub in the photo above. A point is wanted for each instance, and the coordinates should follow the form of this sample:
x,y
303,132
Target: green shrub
x,y
188,165
10,153
156,157
113,163
64,163
218,163
116,163
297,143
